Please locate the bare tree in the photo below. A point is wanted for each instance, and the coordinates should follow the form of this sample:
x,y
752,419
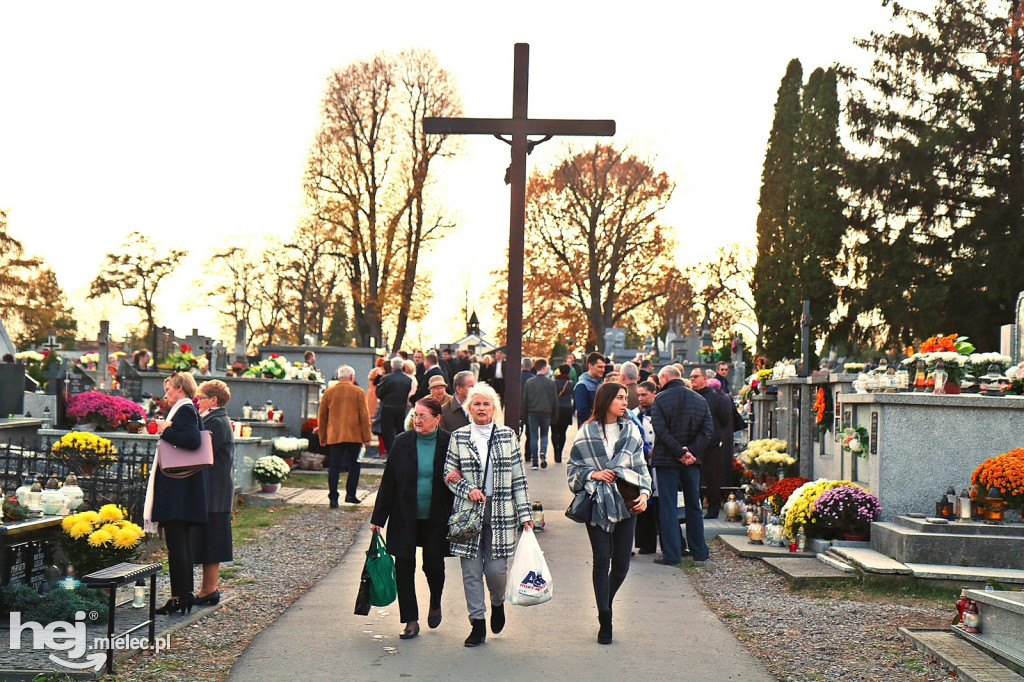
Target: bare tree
x,y
135,274
722,297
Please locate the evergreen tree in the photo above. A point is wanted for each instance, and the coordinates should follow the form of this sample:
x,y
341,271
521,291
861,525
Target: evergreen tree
x,y
817,223
338,331
939,193
773,276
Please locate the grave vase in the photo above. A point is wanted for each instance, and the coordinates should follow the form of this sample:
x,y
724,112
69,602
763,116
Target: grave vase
x,y
269,487
86,426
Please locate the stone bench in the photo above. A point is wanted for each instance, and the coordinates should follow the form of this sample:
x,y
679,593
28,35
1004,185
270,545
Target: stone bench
x,y
111,578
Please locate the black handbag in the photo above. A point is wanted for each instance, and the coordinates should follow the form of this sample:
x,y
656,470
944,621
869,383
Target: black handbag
x,y
363,596
581,509
630,493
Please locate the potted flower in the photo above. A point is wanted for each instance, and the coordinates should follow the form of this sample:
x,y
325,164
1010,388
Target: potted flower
x,y
182,360
1005,472
270,470
778,493
765,457
82,451
798,508
93,540
96,411
708,353
1016,376
844,511
288,448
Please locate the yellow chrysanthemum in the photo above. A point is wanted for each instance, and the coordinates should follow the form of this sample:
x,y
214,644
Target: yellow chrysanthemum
x,y
80,529
110,512
125,538
90,516
136,530
100,537
69,522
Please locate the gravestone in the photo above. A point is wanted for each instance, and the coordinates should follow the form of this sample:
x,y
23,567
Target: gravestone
x,y
614,342
240,343
164,345
130,380
103,343
201,345
6,346
12,389
76,379
1018,338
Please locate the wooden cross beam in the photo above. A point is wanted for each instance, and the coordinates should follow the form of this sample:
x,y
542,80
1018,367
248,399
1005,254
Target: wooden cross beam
x,y
519,127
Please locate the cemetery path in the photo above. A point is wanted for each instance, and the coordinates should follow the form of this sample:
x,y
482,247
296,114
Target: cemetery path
x,y
662,628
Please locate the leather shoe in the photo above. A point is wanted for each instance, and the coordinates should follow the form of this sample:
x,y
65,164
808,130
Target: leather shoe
x,y
211,599
434,620
409,633
351,500
663,561
497,618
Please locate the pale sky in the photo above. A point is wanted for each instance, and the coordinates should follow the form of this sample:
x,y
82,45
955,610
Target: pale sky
x,y
190,121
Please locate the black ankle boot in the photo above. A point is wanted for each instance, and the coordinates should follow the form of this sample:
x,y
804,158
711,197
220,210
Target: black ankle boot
x,y
478,634
604,635
497,618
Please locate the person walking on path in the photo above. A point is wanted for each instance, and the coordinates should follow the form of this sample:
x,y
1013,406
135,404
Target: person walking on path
x,y
211,543
540,405
393,394
563,389
454,414
484,466
344,427
415,504
586,387
608,447
682,429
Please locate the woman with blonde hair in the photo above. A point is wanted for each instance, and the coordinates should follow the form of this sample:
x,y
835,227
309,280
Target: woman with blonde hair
x,y
178,505
211,543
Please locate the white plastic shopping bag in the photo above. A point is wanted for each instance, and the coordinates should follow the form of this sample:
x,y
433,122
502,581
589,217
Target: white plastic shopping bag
x,y
529,582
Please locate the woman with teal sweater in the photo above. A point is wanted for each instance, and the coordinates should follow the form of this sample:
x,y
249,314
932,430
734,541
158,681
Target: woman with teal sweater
x,y
415,504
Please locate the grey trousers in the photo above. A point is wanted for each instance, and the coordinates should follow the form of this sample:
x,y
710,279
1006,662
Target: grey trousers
x,y
483,565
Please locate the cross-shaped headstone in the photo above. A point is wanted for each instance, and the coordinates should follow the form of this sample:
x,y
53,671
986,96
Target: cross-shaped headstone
x,y
51,341
520,126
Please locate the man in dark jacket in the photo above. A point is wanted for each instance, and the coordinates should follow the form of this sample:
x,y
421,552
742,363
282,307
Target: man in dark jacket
x,y
432,370
540,405
393,395
453,414
711,468
682,429
525,375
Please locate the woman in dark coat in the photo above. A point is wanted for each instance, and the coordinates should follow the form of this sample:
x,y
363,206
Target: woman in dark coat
x,y
177,505
415,504
211,543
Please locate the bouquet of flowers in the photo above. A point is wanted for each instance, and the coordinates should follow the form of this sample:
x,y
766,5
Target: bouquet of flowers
x,y
91,358
765,456
12,510
107,412
270,469
1005,472
29,356
182,360
305,372
286,446
274,367
798,508
708,353
94,540
854,439
823,410
853,367
779,492
78,446
978,363
843,509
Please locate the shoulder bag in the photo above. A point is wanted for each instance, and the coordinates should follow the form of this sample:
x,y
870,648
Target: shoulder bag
x,y
466,522
178,462
581,509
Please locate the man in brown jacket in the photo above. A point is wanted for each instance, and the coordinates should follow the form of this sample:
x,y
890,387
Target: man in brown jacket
x,y
345,429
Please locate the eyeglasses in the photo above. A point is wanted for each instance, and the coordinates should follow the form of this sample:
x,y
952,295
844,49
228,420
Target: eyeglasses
x,y
203,397
421,417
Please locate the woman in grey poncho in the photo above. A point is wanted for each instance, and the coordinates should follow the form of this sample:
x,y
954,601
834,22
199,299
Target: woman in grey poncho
x,y
609,446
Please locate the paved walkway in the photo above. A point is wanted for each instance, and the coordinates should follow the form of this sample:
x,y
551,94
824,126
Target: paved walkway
x,y
662,628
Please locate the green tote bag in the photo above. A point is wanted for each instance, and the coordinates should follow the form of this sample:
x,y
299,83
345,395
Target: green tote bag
x,y
381,567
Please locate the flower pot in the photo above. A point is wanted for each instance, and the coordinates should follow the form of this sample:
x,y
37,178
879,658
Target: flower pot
x,y
288,460
85,468
269,487
87,426
854,537
952,388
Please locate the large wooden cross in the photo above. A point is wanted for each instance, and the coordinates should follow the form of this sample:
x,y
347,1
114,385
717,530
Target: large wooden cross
x,y
519,127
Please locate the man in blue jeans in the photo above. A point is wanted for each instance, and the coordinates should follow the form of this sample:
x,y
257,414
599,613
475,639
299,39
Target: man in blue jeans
x,y
682,429
540,406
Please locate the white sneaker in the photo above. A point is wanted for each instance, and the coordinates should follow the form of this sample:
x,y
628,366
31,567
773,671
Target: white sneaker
x,y
534,467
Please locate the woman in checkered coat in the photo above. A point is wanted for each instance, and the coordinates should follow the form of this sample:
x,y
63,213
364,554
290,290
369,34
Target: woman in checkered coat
x,y
484,466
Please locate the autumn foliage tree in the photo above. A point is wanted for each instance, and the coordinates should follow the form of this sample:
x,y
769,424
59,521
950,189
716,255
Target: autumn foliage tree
x,y
368,177
596,253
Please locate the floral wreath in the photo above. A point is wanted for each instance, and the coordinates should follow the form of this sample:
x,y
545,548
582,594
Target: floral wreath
x,y
854,439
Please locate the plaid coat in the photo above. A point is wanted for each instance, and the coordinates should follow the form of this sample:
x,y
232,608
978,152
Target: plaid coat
x,y
510,503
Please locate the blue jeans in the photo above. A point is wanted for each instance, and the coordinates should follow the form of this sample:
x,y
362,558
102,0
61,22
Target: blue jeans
x,y
541,423
670,481
343,456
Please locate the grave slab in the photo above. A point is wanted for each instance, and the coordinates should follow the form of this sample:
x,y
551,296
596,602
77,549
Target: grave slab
x,y
741,546
802,570
971,574
1002,626
836,563
970,663
970,544
871,561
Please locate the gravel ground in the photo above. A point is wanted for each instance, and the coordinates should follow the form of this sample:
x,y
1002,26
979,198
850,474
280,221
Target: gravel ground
x,y
803,637
270,573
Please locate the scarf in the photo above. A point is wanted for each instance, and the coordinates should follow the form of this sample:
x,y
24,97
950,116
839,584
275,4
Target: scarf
x,y
148,524
609,507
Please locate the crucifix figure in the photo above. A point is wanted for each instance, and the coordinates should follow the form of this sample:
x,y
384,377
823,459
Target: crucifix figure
x,y
519,127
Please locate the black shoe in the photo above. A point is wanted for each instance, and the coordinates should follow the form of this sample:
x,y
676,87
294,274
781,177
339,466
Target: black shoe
x,y
409,633
183,604
543,462
334,504
645,551
351,500
604,635
434,620
478,634
663,561
211,599
711,515
497,618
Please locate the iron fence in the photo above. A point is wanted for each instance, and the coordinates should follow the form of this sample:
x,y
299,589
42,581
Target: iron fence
x,y
122,482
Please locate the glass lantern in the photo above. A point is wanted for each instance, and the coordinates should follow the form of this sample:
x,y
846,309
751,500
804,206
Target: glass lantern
x,y
73,495
51,501
995,506
993,383
939,378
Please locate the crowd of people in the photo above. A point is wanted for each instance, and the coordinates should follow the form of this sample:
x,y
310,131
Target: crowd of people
x,y
642,438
